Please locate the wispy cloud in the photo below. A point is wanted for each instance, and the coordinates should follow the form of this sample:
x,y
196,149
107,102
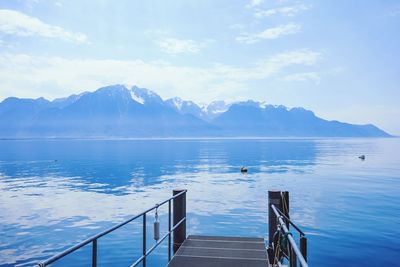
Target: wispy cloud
x,y
302,77
288,11
58,4
5,44
270,33
23,75
16,23
313,76
254,3
178,46
181,46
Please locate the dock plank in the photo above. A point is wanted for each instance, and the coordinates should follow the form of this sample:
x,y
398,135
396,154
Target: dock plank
x,y
221,251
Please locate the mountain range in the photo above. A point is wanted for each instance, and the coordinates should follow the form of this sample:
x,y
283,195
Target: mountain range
x,y
118,111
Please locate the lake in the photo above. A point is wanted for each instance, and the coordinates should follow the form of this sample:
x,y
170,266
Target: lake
x,y
55,193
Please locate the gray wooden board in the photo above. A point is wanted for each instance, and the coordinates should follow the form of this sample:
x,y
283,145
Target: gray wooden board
x,y
221,251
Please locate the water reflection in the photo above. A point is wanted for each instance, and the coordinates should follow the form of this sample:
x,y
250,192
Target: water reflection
x,y
115,164
55,193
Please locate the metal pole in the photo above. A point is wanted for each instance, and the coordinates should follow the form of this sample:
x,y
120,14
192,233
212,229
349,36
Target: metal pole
x,y
179,207
293,258
291,240
303,247
169,230
271,256
285,206
144,240
274,197
94,253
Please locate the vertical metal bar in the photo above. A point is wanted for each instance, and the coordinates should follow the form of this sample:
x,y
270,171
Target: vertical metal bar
x,y
144,240
94,253
303,246
179,206
293,257
169,230
285,206
274,197
271,256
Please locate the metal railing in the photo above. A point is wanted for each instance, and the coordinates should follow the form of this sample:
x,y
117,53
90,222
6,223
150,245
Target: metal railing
x,y
289,250
145,252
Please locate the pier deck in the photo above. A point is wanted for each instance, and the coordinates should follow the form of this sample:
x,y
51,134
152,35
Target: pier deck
x,y
213,251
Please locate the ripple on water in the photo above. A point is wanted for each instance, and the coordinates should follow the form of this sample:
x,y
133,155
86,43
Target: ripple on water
x,y
348,208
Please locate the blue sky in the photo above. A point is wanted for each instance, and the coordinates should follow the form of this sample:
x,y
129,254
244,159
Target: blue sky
x,y
337,58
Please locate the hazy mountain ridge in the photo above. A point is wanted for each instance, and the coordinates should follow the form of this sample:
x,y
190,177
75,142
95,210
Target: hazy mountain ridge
x,y
116,111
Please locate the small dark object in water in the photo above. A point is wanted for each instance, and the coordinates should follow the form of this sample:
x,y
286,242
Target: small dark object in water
x,y
243,169
362,157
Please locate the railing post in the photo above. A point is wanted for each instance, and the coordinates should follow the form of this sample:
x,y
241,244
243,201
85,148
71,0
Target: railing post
x,y
144,240
274,197
303,247
293,257
285,206
169,230
179,207
94,253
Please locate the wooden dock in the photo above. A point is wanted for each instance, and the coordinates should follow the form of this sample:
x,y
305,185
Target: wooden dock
x,y
212,251
220,251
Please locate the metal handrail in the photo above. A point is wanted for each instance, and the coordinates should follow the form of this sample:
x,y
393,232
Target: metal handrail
x,y
290,237
94,238
157,243
291,223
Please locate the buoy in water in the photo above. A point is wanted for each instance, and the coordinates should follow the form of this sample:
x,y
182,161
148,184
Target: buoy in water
x,y
362,157
243,169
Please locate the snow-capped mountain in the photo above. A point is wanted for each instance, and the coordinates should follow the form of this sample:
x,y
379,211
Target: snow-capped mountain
x,y
145,96
118,111
215,108
186,107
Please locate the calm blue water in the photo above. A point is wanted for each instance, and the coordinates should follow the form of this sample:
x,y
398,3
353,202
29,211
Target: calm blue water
x,y
58,192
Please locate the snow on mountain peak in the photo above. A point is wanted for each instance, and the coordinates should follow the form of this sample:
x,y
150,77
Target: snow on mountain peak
x,y
144,96
136,98
177,102
216,107
263,104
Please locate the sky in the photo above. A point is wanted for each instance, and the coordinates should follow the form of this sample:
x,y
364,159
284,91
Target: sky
x,y
338,58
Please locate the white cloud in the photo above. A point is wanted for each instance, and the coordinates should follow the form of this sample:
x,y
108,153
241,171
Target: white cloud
x,y
303,76
33,76
16,23
5,44
254,3
270,33
179,46
289,11
313,76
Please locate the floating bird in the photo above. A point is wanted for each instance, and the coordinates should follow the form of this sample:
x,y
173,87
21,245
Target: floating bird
x,y
243,169
362,157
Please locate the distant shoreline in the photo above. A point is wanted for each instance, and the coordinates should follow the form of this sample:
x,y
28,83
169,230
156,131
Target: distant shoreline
x,y
195,138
